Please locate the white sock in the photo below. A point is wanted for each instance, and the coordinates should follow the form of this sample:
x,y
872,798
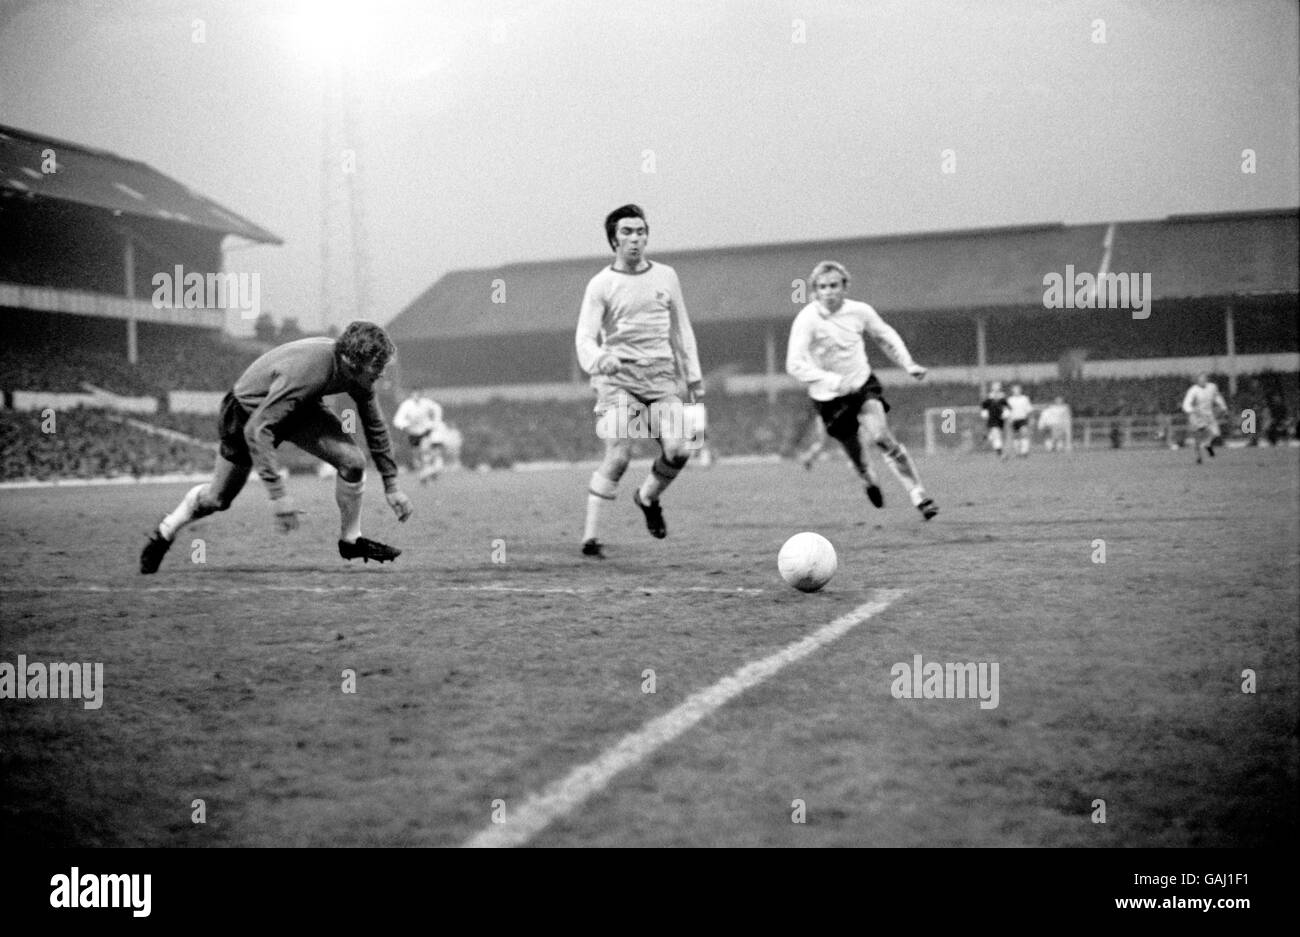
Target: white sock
x,y
900,463
593,516
602,490
183,514
348,497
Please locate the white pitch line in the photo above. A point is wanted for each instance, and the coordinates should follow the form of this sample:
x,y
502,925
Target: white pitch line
x,y
566,795
231,589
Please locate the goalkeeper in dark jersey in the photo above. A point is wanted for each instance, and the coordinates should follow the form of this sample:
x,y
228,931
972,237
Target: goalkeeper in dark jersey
x,y
993,409
279,398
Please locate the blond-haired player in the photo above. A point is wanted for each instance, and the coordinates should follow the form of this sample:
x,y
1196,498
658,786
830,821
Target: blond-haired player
x,y
826,352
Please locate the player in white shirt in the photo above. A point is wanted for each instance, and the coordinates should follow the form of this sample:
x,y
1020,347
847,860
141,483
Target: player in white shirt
x,y
1018,410
1054,421
421,419
827,353
1203,404
635,339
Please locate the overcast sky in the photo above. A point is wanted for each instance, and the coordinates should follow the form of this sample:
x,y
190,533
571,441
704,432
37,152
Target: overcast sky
x,y
494,132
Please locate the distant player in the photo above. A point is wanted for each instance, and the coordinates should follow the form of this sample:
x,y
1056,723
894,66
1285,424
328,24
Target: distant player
x,y
1018,411
1203,405
993,409
279,398
635,339
421,419
826,352
1054,421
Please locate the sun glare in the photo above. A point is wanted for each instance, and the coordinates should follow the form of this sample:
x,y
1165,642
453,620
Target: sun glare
x,y
328,31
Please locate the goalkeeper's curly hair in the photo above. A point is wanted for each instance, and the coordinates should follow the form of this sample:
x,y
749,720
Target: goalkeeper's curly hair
x,y
364,341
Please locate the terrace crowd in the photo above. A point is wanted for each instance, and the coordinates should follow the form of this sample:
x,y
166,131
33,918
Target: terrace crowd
x,y
93,443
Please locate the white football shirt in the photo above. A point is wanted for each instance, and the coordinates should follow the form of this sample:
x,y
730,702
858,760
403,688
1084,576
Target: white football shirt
x,y
825,347
636,317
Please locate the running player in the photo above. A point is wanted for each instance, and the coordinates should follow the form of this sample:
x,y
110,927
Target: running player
x,y
993,410
279,398
1203,404
635,339
421,419
827,353
1018,410
1054,421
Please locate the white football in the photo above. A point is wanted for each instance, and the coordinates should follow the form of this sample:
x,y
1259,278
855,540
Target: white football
x,y
807,561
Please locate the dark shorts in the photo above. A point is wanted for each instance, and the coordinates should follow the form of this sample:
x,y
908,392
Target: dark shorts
x,y
841,413
230,425
308,421
1018,425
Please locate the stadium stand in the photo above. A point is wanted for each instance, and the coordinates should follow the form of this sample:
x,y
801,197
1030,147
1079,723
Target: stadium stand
x,y
88,443
957,298
1211,276
48,352
83,235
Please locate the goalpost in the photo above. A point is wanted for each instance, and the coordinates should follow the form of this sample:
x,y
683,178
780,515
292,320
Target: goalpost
x,y
962,429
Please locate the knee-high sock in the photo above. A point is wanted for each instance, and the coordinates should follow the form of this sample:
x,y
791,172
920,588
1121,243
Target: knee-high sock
x,y
602,491
185,512
900,463
661,476
347,495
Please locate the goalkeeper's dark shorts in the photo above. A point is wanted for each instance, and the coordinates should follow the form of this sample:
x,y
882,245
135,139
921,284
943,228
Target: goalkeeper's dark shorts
x,y
840,414
304,426
230,425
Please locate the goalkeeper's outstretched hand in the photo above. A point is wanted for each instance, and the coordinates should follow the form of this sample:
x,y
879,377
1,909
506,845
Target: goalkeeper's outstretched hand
x,y
917,372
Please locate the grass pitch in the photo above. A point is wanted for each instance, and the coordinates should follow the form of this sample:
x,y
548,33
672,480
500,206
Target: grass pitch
x,y
491,660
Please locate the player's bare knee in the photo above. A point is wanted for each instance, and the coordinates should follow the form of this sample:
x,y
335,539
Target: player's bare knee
x,y
351,464
617,457
613,470
676,453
